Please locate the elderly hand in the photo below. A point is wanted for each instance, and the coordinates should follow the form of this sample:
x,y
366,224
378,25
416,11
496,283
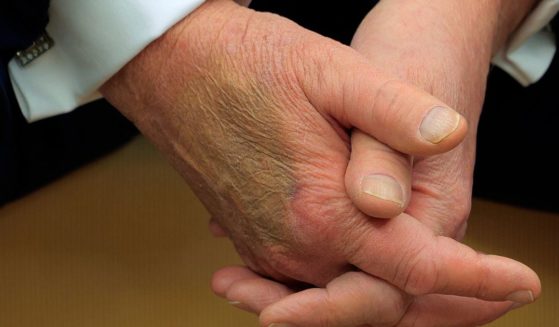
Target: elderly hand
x,y
253,111
418,51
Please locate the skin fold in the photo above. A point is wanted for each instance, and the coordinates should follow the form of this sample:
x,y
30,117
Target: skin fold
x,y
255,112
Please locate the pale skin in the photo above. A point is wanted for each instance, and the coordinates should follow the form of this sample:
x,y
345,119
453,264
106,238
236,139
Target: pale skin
x,y
440,185
256,122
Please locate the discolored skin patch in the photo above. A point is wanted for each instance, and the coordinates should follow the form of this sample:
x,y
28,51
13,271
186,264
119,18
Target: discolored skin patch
x,y
239,155
236,124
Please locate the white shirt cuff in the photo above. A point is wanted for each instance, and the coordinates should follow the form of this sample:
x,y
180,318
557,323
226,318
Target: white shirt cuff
x,y
530,51
93,40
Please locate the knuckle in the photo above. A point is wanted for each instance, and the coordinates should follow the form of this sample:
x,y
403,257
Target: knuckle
x,y
310,53
385,108
419,275
319,223
312,62
481,287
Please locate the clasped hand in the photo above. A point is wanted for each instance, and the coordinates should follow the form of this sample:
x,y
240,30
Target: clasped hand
x,y
254,112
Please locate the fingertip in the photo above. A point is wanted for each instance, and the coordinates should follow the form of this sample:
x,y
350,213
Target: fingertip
x,y
406,118
447,310
530,289
455,269
223,278
247,290
255,294
519,283
378,178
537,286
439,123
437,264
216,229
380,196
441,130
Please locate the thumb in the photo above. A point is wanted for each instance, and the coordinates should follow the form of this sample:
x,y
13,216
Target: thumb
x,y
398,114
378,179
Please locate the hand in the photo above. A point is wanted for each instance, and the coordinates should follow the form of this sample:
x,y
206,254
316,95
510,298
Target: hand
x,y
253,111
441,185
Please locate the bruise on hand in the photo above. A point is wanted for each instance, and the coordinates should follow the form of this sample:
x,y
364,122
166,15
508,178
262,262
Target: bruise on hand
x,y
225,134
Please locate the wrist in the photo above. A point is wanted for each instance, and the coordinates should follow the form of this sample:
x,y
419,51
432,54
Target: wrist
x,y
182,52
510,16
433,45
438,44
481,25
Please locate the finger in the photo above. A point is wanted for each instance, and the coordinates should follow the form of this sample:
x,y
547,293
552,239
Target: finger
x,y
225,277
356,299
378,179
216,229
308,308
452,311
396,113
246,289
353,299
407,254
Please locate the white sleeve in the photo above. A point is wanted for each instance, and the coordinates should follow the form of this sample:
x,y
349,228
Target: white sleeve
x,y
92,41
530,51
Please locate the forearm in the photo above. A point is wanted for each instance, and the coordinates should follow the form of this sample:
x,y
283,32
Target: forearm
x,y
512,13
487,21
179,53
437,43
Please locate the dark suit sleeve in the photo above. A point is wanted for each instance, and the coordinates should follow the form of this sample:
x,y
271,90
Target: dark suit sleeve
x,y
21,21
31,155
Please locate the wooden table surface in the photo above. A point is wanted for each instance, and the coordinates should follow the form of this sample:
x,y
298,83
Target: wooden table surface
x,y
124,242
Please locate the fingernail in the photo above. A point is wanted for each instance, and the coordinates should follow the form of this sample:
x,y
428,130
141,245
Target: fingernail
x,y
282,325
235,303
383,187
522,297
439,123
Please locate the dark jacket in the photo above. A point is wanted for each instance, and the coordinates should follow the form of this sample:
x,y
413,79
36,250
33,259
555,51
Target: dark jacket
x,y
32,155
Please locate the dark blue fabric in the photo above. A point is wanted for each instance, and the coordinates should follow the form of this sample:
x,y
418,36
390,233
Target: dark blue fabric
x,y
330,18
7,132
21,22
32,155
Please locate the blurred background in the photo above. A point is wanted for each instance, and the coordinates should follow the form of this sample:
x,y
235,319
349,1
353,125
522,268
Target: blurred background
x,y
122,241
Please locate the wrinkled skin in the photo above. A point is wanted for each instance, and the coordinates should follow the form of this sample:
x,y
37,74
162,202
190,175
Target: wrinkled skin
x,y
441,187
253,111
